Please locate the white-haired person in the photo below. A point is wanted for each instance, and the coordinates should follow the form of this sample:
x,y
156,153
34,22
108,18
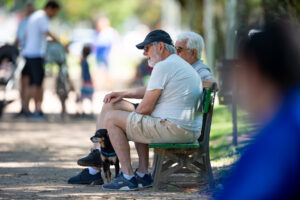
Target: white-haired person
x,y
189,46
167,113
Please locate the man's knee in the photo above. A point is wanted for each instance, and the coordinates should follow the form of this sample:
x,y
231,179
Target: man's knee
x,y
107,107
121,105
115,118
109,119
105,110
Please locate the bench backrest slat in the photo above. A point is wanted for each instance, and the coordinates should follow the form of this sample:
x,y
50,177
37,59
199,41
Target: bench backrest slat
x,y
207,104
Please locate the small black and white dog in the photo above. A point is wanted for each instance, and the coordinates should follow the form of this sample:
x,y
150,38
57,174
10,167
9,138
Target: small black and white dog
x,y
108,154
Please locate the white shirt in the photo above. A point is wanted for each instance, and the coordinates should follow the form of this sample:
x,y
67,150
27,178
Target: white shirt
x,y
181,88
35,42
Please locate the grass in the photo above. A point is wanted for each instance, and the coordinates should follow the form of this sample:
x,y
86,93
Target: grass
x,y
223,153
222,150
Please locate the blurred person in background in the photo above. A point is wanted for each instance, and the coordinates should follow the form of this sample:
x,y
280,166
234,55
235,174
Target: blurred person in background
x,y
269,81
189,46
20,41
35,45
104,41
143,72
87,88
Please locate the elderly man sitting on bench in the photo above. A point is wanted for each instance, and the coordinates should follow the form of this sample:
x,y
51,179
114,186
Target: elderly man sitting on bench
x,y
189,46
166,114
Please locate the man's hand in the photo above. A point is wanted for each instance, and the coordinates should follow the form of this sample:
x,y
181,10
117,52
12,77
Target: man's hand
x,y
207,83
113,97
51,36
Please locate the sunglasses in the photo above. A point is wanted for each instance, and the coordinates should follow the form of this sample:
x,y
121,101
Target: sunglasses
x,y
146,47
180,49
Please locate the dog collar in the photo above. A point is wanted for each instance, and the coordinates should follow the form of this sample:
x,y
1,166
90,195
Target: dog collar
x,y
108,154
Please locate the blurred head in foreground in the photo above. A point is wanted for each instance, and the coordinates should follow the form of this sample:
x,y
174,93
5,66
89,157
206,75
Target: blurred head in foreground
x,y
269,67
269,80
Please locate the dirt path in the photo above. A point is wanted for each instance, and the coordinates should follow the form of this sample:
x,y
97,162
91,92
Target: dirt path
x,y
38,157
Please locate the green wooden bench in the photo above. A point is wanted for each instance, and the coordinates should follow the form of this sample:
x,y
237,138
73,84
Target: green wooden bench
x,y
187,163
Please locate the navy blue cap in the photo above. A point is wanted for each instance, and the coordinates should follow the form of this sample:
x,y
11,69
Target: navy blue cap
x,y
156,36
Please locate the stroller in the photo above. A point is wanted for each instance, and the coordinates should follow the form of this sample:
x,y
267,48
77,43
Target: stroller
x,y
55,53
10,69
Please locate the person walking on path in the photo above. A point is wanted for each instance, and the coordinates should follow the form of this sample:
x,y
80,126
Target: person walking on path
x,y
35,45
20,42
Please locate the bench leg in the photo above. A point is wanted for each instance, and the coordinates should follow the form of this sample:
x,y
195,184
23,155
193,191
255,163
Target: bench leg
x,y
154,165
157,169
210,176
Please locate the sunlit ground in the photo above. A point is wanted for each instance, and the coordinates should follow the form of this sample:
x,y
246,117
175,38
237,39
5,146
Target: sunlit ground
x,y
38,156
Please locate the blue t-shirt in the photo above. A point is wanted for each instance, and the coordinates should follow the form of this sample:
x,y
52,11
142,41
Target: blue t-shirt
x,y
21,31
86,76
270,168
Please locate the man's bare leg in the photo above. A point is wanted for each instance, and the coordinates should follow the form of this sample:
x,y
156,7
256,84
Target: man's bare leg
x,y
106,108
115,123
30,94
24,90
34,93
142,149
40,93
143,153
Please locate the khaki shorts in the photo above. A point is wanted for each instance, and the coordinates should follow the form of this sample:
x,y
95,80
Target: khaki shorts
x,y
146,129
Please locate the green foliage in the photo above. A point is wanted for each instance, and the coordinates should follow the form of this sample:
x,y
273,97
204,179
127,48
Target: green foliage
x,y
74,11
116,10
8,4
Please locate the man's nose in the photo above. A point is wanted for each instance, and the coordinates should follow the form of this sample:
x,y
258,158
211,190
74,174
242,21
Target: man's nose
x,y
145,53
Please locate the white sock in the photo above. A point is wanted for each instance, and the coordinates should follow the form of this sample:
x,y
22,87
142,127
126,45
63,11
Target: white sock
x,y
128,177
93,171
99,149
140,174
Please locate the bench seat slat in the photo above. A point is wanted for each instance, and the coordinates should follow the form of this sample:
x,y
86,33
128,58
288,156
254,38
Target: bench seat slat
x,y
175,146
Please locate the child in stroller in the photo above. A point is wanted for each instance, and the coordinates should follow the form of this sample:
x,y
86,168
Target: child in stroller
x,y
8,72
8,57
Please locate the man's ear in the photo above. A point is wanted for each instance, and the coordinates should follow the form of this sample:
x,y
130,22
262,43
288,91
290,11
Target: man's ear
x,y
195,52
161,46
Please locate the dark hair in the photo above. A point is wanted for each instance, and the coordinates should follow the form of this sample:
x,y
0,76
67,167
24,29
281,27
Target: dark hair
x,y
275,49
86,50
52,5
29,5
